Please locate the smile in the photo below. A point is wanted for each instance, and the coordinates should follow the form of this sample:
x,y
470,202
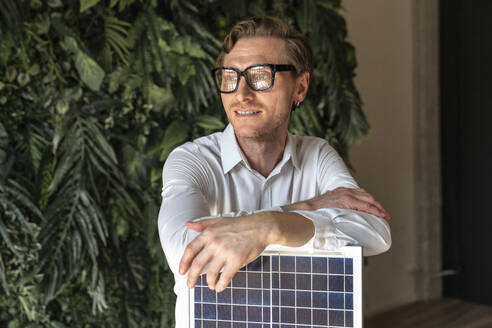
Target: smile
x,y
240,112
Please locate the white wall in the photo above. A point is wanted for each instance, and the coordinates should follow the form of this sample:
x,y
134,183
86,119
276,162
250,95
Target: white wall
x,y
381,31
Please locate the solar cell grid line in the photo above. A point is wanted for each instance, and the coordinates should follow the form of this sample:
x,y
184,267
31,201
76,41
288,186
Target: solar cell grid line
x,y
286,289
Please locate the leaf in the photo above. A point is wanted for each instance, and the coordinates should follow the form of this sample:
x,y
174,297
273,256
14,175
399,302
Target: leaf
x,y
209,122
55,3
70,44
5,235
159,97
89,71
86,4
193,49
3,278
176,134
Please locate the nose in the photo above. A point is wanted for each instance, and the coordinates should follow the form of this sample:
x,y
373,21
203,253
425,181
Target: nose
x,y
244,92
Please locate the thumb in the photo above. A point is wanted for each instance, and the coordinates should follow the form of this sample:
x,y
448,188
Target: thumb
x,y
199,226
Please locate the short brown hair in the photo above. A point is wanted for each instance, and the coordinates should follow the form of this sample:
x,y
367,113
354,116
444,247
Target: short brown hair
x,y
298,47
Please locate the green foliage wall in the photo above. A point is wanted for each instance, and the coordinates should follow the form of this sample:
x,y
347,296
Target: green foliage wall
x,y
93,97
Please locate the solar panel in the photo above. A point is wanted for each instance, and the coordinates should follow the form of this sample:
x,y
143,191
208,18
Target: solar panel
x,y
285,290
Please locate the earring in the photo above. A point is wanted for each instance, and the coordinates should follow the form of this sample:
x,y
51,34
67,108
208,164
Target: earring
x,y
298,103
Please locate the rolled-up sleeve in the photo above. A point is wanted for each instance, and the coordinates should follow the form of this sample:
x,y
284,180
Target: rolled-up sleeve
x,y
335,227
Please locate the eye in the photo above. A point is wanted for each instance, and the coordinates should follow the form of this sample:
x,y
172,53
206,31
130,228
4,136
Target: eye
x,y
228,75
260,75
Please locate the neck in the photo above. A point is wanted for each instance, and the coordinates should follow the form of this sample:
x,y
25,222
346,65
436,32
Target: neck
x,y
263,152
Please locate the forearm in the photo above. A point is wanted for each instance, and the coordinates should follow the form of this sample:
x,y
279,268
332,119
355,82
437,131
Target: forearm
x,y
287,228
305,205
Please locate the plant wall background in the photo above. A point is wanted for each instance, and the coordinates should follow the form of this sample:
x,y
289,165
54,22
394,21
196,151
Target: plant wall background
x,y
94,94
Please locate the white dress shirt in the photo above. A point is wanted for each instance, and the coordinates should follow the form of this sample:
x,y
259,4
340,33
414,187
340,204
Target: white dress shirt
x,y
211,177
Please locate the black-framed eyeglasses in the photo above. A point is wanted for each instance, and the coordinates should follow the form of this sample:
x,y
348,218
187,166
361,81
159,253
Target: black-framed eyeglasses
x,y
259,77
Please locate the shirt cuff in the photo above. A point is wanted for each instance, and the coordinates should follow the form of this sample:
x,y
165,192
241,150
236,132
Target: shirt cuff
x,y
326,235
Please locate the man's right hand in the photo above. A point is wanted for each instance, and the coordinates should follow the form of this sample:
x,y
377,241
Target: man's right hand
x,y
352,199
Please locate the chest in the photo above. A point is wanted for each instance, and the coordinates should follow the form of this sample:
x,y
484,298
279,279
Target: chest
x,y
244,189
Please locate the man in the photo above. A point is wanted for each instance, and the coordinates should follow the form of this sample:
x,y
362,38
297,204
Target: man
x,y
230,195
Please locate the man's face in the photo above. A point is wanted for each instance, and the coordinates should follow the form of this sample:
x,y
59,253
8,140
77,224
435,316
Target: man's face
x,y
261,113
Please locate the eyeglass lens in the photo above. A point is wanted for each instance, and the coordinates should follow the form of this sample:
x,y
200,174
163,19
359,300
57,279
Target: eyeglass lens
x,y
258,78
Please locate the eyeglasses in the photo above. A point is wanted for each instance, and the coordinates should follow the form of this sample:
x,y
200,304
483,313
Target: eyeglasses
x,y
259,77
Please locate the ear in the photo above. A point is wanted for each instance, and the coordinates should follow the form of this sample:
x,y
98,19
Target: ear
x,y
302,85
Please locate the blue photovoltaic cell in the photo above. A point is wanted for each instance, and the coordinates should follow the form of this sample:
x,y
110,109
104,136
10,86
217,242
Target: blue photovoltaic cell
x,y
320,317
287,281
320,300
238,296
281,292
349,318
288,314
349,281
303,298
287,298
320,265
319,282
254,313
275,279
303,264
336,265
287,263
337,318
223,312
303,281
255,296
266,297
303,316
239,280
209,324
224,324
239,313
349,301
349,266
336,300
254,280
336,283
225,296
274,261
208,295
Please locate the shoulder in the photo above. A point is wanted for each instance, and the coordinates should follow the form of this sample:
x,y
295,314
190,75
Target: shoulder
x,y
312,147
203,148
200,157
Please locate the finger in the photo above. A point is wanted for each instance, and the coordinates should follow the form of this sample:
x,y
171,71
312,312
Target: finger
x,y
364,195
213,270
364,206
228,272
199,226
190,252
197,266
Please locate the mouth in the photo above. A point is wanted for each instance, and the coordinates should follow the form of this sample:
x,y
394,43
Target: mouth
x,y
247,112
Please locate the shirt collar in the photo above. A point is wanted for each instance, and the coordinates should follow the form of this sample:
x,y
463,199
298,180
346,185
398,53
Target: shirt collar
x,y
231,153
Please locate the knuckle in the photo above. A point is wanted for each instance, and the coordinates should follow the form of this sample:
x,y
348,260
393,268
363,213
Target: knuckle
x,y
346,198
198,263
211,278
211,271
215,243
